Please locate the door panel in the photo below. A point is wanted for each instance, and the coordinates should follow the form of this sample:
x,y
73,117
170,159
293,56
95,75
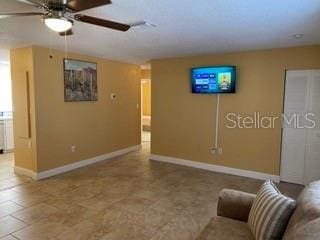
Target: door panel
x,y
312,157
294,139
296,91
293,151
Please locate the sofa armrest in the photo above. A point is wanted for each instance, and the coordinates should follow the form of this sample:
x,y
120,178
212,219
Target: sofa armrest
x,y
235,204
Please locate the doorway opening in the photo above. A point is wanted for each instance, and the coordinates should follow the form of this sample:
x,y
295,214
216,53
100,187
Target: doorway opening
x,y
6,121
146,107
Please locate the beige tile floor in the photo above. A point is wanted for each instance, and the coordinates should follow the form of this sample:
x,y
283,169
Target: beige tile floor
x,y
7,177
128,197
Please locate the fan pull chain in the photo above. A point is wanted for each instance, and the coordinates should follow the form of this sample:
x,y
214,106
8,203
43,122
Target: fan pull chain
x,y
65,47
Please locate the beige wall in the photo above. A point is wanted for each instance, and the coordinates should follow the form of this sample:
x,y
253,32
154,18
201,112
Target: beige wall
x,y
183,123
146,97
95,128
25,142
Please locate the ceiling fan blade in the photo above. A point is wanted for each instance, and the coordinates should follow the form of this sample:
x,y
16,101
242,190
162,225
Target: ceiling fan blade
x,y
8,15
81,5
102,22
67,33
33,3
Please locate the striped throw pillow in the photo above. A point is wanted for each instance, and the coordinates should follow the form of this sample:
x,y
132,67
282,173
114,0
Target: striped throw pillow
x,y
270,213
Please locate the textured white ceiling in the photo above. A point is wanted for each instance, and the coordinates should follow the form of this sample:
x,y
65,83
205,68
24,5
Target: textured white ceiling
x,y
184,27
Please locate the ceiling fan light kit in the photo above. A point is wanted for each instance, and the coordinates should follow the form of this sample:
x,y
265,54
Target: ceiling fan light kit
x,y
58,23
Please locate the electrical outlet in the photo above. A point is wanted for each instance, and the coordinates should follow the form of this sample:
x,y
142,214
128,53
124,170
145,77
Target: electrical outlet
x,y
213,150
216,151
73,148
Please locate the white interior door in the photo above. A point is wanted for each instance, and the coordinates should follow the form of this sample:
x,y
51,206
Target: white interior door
x,y
293,139
312,155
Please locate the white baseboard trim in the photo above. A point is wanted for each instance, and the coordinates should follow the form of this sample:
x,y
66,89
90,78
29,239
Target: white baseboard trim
x,y
25,172
215,168
75,165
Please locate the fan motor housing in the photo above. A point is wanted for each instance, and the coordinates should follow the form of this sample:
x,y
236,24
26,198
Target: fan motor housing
x,y
57,5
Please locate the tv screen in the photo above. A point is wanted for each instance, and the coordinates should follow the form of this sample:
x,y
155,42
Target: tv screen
x,y
213,80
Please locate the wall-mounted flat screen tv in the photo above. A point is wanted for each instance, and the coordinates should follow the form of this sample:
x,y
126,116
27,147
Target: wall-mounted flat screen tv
x,y
214,80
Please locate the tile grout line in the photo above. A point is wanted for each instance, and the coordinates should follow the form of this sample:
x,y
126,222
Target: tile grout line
x,y
14,236
17,204
28,224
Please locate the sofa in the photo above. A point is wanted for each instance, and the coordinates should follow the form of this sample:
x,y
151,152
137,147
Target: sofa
x,y
234,207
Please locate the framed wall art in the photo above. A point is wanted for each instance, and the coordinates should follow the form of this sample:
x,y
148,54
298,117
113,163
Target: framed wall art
x,y
80,81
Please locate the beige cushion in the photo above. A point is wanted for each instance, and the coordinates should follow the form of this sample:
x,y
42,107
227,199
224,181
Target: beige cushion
x,y
270,213
235,204
221,228
305,222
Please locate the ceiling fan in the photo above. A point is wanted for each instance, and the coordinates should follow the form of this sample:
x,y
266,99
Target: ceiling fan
x,y
59,15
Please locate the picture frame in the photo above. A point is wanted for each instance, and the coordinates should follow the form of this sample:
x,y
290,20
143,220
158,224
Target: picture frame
x,y
80,80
